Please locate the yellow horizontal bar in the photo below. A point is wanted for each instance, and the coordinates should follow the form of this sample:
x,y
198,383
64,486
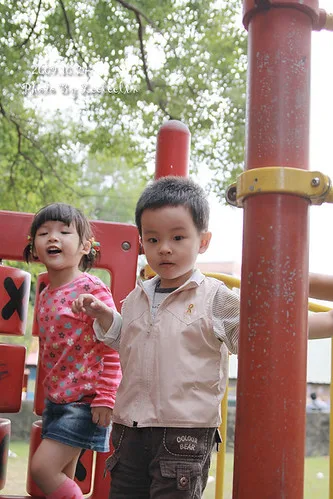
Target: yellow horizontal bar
x,y
316,307
234,282
229,280
329,22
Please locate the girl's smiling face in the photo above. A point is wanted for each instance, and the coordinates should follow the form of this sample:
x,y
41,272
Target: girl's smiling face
x,y
58,246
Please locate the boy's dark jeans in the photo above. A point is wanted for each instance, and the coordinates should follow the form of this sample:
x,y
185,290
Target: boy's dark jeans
x,y
160,463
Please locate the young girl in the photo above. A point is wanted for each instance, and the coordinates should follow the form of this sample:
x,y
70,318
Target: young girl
x,y
82,374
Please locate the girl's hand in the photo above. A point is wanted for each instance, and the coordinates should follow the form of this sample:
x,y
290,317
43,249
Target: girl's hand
x,y
89,305
101,416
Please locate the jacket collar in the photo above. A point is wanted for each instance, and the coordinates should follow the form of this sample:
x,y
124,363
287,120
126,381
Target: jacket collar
x,y
195,280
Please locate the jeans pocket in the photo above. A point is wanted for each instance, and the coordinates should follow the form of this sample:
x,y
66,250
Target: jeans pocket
x,y
181,471
111,462
117,435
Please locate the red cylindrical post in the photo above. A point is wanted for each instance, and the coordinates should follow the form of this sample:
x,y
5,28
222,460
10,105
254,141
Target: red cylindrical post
x,y
4,447
172,150
35,440
271,389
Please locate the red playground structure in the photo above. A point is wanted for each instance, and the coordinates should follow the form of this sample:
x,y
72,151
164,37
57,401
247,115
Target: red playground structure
x,y
275,191
120,245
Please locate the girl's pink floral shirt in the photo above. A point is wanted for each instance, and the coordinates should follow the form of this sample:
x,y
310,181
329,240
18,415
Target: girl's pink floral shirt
x,y
76,364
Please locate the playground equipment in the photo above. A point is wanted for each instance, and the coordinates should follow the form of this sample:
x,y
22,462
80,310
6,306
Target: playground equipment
x,y
120,249
269,446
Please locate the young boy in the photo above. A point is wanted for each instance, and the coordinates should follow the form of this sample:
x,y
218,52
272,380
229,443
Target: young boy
x,y
176,331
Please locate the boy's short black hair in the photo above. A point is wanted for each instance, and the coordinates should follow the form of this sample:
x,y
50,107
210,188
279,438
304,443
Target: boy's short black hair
x,y
175,191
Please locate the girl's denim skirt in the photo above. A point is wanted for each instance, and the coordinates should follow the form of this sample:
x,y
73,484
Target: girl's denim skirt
x,y
72,424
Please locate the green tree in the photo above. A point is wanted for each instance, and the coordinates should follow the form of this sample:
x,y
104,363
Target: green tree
x,y
114,199
139,63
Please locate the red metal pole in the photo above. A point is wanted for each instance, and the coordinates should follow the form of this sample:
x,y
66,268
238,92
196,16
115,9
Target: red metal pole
x,y
172,150
271,389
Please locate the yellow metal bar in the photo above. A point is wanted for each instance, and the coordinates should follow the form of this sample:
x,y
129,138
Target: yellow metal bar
x,y
220,458
316,307
329,22
234,282
229,280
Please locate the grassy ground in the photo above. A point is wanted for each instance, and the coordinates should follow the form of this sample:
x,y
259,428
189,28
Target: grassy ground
x,y
314,487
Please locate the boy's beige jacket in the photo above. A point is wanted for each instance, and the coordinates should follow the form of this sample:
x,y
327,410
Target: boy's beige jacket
x,y
174,368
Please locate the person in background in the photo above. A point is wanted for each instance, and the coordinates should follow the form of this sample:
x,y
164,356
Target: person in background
x,y
316,403
82,374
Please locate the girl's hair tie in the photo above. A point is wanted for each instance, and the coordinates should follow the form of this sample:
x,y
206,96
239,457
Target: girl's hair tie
x,y
95,246
29,238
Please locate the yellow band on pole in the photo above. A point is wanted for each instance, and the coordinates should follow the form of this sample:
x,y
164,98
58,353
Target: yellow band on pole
x,y
311,185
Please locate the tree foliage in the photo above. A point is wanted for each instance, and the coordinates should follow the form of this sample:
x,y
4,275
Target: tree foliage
x,y
135,65
85,86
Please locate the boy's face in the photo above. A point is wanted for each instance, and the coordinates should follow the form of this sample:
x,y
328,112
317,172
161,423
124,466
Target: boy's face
x,y
172,243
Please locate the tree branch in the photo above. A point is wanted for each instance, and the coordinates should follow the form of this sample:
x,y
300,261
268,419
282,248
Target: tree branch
x,y
33,26
139,15
19,146
21,134
69,32
137,12
143,55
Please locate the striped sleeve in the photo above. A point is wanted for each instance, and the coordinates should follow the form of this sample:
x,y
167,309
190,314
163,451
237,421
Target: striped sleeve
x,y
226,317
109,380
111,376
